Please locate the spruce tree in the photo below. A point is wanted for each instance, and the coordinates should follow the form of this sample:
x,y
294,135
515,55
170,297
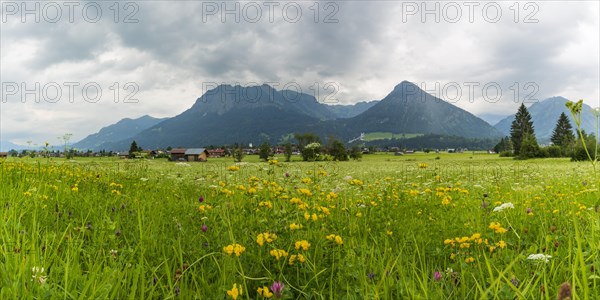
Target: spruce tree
x,y
521,126
563,132
133,149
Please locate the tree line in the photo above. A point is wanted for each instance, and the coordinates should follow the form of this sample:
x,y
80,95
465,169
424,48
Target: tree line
x,y
522,143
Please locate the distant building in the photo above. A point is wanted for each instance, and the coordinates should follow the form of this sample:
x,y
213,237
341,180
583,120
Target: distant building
x,y
178,154
216,152
196,154
3,154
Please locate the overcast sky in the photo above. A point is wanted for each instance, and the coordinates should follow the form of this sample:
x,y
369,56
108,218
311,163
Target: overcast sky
x,y
161,55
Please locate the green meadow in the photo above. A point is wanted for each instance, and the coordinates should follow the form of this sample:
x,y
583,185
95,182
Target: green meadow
x,y
419,226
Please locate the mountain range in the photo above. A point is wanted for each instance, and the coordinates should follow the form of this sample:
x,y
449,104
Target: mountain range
x,y
122,130
235,114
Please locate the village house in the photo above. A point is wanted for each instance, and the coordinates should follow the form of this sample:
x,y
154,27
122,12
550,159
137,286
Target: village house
x,y
3,154
216,153
196,154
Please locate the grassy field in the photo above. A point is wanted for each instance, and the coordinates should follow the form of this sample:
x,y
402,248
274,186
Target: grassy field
x,y
372,136
421,226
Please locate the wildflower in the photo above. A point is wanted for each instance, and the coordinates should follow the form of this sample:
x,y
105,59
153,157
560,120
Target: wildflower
x,y
539,257
501,244
235,291
371,276
296,257
437,276
264,291
338,239
515,282
266,204
200,199
504,206
278,253
469,259
233,169
37,275
235,248
74,188
497,227
113,253
305,192
303,244
265,237
277,288
204,228
446,200
176,291
295,226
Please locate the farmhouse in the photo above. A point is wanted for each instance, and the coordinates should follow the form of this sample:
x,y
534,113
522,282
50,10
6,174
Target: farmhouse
x,y
178,154
3,154
195,154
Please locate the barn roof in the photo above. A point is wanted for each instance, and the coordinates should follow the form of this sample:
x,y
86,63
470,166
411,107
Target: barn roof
x,y
195,151
178,151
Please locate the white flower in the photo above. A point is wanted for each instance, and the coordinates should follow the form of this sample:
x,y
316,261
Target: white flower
x,y
37,275
539,257
144,179
504,206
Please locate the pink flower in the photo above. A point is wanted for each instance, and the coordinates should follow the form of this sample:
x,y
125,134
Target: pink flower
x,y
277,288
437,276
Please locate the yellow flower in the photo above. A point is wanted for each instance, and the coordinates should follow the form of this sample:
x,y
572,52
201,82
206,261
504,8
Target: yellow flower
x,y
497,227
446,200
305,192
501,244
295,226
264,291
265,237
389,232
338,239
235,248
233,168
314,217
306,180
296,257
204,207
235,291
266,204
469,259
303,244
278,253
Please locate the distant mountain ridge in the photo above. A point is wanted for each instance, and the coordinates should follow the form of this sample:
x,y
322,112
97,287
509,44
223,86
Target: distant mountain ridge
x,y
123,129
544,115
349,111
235,114
409,109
